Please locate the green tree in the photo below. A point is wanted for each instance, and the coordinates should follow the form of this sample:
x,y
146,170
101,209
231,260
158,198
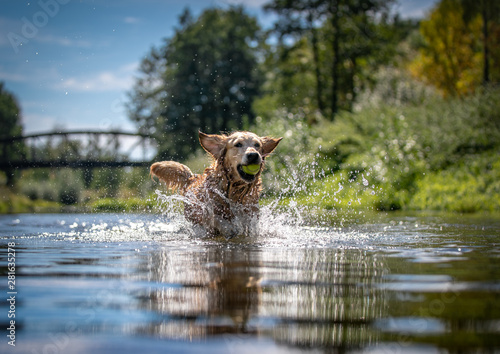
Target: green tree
x,y
204,78
10,121
301,17
345,36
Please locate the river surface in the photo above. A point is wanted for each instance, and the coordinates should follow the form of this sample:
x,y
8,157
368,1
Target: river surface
x,y
143,283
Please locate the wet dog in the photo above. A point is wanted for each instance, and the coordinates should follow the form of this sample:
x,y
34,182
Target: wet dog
x,y
224,200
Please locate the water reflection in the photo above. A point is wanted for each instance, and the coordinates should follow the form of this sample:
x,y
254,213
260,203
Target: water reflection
x,y
301,297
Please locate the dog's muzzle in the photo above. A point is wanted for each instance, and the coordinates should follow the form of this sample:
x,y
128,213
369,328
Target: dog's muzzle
x,y
251,158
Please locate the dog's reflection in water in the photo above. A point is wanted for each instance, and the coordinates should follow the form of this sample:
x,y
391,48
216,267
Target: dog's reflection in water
x,y
215,291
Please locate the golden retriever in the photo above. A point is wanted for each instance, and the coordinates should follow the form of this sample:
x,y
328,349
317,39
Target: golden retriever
x,y
224,199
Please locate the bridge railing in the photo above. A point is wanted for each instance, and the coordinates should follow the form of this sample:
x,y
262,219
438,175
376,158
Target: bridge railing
x,y
76,149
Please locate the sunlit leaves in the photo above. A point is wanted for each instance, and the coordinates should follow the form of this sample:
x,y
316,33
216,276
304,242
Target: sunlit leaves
x,y
451,58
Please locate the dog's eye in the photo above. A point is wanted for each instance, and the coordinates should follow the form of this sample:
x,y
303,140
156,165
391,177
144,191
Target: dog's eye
x,y
238,145
257,145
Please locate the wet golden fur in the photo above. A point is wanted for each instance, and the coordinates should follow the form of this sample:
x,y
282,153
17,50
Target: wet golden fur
x,y
223,193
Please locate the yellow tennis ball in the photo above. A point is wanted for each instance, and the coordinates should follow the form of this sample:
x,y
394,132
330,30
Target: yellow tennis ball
x,y
251,169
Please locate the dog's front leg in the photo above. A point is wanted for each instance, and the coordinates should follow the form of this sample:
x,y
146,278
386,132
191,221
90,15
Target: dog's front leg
x,y
221,219
226,228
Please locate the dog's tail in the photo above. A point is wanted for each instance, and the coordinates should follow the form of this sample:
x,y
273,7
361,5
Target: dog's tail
x,y
177,176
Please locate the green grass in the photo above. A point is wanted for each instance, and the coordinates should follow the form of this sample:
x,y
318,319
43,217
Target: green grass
x,y
472,185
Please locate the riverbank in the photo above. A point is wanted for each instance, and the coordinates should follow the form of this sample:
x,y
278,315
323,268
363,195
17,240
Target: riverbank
x,y
15,203
413,152
346,203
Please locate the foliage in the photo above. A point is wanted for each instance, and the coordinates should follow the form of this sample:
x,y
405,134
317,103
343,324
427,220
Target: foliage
x,y
471,185
122,205
290,83
9,114
203,78
394,87
330,49
10,121
63,186
489,11
46,189
11,202
395,142
393,152
107,181
453,56
290,166
36,190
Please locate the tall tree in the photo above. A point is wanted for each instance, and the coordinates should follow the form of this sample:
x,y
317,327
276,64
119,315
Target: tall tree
x,y
204,78
348,28
451,56
10,121
10,117
489,11
302,17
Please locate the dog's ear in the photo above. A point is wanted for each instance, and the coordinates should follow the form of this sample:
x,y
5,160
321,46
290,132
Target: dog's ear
x,y
268,145
213,144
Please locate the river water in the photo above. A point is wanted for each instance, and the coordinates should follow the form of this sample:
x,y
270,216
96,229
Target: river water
x,y
144,283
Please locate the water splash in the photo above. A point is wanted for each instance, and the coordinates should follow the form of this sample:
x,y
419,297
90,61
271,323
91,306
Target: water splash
x,y
289,215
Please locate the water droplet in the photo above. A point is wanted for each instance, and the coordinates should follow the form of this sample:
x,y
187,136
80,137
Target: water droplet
x,y
365,181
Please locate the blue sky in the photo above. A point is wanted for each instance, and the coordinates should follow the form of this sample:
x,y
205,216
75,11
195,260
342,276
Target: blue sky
x,y
71,62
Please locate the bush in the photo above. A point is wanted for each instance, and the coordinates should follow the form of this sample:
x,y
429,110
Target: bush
x,y
70,186
69,195
400,145
471,185
395,88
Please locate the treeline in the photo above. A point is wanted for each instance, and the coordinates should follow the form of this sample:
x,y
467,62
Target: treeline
x,y
220,71
209,74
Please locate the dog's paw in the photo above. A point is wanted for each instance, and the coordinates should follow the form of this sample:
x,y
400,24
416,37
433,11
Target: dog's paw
x,y
231,236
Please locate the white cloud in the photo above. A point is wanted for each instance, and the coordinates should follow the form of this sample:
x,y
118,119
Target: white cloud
x,y
131,20
246,3
33,122
62,41
14,77
26,74
14,27
119,80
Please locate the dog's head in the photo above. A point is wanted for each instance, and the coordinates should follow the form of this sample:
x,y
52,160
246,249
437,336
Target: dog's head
x,y
240,152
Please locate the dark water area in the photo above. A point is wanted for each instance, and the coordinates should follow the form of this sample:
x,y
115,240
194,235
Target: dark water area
x,y
110,283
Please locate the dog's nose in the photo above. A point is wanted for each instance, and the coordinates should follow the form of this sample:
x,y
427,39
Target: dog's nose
x,y
252,157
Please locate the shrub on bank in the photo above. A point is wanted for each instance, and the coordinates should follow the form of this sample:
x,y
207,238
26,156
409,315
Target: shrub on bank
x,y
414,154
469,186
122,205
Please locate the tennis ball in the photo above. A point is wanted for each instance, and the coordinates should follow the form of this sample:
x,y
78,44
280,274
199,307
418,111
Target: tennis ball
x,y
251,169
